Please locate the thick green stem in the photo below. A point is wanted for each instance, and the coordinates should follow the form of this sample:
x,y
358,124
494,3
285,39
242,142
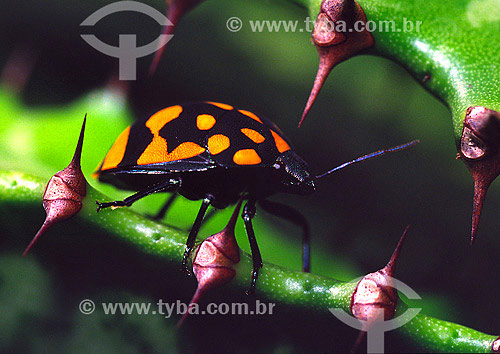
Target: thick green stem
x,y
450,47
437,335
276,284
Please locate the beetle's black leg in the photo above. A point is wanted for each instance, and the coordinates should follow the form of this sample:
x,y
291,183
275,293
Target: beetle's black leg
x,y
161,214
288,213
194,232
209,215
167,185
163,211
247,215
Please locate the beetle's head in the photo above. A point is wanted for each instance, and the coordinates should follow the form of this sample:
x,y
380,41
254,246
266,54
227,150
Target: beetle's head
x,y
294,174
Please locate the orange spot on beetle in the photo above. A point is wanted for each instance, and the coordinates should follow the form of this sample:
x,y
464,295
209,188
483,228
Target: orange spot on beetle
x,y
185,151
159,119
281,144
156,152
205,121
256,137
246,157
218,143
221,105
251,115
115,154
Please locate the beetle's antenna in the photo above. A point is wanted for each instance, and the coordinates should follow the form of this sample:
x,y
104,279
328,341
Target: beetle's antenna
x,y
370,156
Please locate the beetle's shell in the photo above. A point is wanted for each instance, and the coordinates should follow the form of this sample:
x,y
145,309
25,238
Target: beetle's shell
x,y
196,136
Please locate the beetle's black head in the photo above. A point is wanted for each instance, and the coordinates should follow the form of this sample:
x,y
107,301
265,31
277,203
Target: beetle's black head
x,y
294,174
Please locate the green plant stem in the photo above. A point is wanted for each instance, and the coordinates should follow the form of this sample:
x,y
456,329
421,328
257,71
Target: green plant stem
x,y
276,284
454,53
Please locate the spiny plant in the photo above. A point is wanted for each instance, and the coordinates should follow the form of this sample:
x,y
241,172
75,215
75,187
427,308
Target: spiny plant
x,y
474,115
449,51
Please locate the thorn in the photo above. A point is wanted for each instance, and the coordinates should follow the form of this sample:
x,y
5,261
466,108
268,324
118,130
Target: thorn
x,y
77,156
196,298
391,265
169,30
64,193
375,294
479,149
326,64
45,226
214,260
176,9
334,47
480,189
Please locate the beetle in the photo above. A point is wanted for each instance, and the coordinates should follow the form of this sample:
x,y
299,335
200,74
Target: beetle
x,y
218,154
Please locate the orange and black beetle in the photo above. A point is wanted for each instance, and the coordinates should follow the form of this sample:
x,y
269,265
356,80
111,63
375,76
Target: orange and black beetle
x,y
214,152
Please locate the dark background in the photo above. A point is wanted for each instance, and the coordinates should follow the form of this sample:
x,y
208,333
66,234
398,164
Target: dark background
x,y
357,216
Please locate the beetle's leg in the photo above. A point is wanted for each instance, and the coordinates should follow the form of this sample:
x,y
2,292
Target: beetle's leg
x,y
167,185
209,215
163,211
194,232
161,214
247,215
294,216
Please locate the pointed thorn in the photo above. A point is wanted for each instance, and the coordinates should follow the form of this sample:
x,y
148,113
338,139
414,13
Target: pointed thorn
x,y
477,206
78,151
234,217
64,192
391,265
46,225
196,298
176,9
167,31
325,67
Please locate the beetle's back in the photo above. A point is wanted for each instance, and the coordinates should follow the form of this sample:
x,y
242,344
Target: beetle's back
x,y
203,133
191,138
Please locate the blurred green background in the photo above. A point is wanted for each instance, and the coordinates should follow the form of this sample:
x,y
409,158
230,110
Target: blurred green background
x,y
356,216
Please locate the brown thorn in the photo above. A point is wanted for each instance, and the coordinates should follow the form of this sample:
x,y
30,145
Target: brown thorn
x,y
159,52
77,156
326,65
64,192
176,9
223,242
196,298
391,265
46,225
234,217
334,47
480,189
479,149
